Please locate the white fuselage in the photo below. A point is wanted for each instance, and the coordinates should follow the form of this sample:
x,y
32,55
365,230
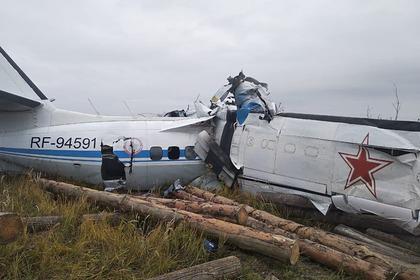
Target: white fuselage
x,y
329,163
68,144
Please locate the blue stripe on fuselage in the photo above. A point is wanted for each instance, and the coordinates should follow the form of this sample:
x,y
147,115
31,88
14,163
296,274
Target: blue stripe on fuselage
x,y
93,155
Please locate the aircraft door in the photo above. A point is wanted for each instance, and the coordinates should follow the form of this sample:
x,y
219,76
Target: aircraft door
x,y
260,151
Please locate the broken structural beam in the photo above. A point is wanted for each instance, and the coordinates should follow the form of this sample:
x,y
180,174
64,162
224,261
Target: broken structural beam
x,y
225,268
11,227
272,245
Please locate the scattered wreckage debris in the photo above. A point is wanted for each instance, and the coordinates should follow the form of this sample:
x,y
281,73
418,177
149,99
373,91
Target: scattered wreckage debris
x,y
224,268
260,232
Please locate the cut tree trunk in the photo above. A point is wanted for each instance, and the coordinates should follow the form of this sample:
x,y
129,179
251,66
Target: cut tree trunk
x,y
338,260
400,254
187,196
207,208
276,246
41,223
11,227
334,217
226,268
211,197
328,239
327,256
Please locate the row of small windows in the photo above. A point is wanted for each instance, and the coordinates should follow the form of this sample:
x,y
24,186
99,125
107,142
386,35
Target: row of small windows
x,y
174,152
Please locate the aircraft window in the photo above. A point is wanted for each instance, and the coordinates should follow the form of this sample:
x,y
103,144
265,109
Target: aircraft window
x,y
190,153
173,152
156,153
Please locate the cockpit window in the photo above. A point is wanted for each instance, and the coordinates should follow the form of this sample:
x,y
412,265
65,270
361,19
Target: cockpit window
x,y
173,152
156,153
190,153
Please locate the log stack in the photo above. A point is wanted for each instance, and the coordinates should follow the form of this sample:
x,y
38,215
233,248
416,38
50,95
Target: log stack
x,y
253,230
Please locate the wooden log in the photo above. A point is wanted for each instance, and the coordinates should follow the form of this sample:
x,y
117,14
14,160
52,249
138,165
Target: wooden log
x,y
334,217
41,223
391,239
271,277
402,254
11,227
203,207
327,256
225,268
187,196
334,258
337,242
209,196
338,260
276,246
328,239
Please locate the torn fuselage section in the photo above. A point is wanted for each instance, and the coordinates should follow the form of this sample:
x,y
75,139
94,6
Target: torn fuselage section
x,y
112,169
232,104
357,165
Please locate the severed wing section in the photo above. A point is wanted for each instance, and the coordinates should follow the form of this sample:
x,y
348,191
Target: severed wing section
x,y
17,91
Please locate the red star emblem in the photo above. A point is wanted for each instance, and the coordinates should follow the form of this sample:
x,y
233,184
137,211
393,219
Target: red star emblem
x,y
363,166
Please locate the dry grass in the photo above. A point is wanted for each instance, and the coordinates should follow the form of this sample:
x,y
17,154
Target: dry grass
x,y
138,248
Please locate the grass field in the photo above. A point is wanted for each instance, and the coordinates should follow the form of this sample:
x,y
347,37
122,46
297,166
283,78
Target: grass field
x,y
137,248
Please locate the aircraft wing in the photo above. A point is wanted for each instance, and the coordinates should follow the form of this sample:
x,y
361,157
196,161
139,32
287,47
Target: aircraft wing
x,y
17,91
186,122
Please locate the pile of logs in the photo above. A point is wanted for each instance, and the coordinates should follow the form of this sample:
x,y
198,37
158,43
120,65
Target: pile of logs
x,y
261,232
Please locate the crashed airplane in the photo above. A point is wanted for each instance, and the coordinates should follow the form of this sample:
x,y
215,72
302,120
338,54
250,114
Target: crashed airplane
x,y
357,165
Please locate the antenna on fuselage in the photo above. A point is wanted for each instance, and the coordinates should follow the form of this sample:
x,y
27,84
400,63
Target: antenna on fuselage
x,y
93,107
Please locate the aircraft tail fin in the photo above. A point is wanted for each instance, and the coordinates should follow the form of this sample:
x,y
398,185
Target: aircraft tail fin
x,y
17,91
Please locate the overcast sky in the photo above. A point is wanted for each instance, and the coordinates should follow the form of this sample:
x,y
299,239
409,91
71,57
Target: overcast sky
x,y
323,57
